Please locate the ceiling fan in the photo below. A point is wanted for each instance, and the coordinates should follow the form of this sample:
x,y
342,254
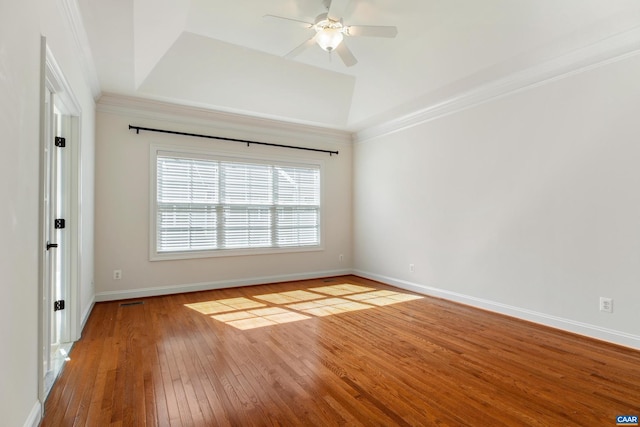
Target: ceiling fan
x,y
330,30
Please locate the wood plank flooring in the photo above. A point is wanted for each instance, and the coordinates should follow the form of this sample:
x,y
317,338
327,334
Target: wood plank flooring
x,y
344,351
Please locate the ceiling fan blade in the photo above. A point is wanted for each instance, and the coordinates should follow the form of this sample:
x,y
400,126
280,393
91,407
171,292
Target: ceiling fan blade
x,y
346,55
371,31
301,48
337,8
305,23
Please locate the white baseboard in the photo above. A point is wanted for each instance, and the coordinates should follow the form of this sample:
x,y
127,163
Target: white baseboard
x,y
35,416
207,286
87,313
581,328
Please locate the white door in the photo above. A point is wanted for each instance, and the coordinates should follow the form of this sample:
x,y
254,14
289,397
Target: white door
x,y
55,244
59,269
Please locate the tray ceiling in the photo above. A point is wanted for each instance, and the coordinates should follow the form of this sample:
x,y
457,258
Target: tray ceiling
x,y
226,56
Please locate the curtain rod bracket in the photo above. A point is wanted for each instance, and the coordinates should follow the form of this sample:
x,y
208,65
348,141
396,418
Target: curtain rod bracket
x,y
172,132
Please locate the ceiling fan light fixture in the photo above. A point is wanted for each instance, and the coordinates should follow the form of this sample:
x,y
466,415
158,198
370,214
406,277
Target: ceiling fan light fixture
x,y
331,31
329,38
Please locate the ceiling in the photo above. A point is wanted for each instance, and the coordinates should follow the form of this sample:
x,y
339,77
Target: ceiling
x,y
226,56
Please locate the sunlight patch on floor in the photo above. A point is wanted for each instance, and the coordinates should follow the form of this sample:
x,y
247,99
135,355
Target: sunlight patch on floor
x,y
224,305
288,297
259,318
344,289
329,306
381,298
245,313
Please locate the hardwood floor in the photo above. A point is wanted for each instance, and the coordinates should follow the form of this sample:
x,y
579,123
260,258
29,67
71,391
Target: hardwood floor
x,y
318,353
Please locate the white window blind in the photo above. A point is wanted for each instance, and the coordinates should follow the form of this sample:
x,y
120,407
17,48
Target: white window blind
x,y
218,204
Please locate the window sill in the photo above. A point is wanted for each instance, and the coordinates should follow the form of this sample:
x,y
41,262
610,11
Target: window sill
x,y
172,256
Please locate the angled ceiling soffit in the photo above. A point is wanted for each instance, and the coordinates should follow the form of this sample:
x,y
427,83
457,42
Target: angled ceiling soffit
x,y
155,30
465,95
227,77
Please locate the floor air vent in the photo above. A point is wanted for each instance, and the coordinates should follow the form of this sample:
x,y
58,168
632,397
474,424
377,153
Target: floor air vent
x,y
128,304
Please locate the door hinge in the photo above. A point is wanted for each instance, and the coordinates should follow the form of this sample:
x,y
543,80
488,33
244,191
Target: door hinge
x,y
58,305
60,223
60,142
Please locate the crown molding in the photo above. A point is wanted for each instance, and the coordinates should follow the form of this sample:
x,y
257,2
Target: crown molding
x,y
149,109
601,53
71,12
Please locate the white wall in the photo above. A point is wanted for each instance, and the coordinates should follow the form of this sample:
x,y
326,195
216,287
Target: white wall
x,y
21,26
528,204
122,200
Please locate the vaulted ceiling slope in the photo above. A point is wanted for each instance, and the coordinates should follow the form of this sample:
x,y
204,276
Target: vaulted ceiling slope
x,y
226,56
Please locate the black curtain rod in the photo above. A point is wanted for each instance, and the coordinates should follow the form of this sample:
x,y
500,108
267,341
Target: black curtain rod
x,y
138,129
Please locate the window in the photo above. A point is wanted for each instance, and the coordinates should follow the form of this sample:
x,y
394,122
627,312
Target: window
x,y
206,205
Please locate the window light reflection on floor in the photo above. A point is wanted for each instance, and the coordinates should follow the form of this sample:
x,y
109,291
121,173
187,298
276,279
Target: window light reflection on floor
x,y
292,306
225,305
259,318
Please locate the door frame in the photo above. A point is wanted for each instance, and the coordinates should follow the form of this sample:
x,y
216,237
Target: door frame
x,y
52,79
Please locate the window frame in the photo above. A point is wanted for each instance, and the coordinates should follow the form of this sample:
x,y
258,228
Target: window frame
x,y
159,149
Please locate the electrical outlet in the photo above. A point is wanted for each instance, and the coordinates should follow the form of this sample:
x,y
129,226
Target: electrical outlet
x,y
341,258
117,274
606,305
412,268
